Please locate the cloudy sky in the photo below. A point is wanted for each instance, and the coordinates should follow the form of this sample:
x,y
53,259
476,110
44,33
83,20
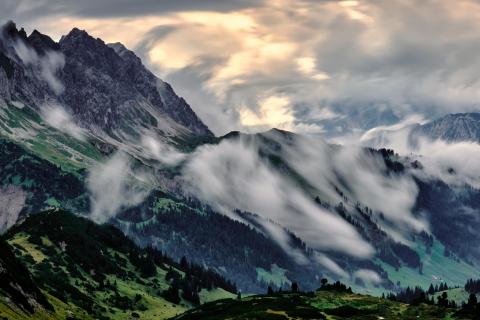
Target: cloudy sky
x,y
323,67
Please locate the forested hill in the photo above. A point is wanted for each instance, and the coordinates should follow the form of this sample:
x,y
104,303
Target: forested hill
x,y
102,274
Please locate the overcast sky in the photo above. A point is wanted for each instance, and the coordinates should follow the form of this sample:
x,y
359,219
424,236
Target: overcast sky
x,y
307,66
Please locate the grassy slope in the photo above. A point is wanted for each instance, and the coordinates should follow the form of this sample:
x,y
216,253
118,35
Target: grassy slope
x,y
459,295
436,268
318,305
24,126
43,246
62,311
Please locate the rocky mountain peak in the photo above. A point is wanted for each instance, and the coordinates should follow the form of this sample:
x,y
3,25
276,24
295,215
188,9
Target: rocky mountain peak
x,y
124,53
105,87
9,30
76,34
42,42
454,127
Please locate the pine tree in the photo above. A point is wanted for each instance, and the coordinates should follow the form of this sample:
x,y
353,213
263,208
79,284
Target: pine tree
x,y
443,300
269,291
324,282
472,300
294,287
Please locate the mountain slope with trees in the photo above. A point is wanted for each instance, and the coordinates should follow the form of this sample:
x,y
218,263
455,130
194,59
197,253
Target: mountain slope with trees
x,y
103,274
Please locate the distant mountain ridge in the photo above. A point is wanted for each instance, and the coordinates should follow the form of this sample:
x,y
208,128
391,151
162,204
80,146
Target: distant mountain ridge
x,y
452,128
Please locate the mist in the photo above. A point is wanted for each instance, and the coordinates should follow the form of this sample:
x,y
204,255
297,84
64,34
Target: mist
x,y
158,150
231,176
45,66
57,117
361,176
451,162
112,188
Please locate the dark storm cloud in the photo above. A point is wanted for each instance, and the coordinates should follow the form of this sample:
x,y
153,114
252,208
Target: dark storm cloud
x,y
118,8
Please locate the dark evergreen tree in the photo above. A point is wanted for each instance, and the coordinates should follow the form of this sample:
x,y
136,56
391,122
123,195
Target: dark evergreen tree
x,y
443,300
171,294
472,286
269,291
472,300
294,287
324,282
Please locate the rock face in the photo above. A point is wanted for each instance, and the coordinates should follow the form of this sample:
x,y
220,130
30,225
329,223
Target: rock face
x,y
453,128
12,200
106,87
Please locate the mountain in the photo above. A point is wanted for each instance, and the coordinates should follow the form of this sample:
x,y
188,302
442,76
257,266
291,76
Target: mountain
x,y
85,128
97,272
456,127
104,90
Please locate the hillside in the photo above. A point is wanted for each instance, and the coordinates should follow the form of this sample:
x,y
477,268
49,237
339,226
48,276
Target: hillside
x,y
17,285
100,273
314,305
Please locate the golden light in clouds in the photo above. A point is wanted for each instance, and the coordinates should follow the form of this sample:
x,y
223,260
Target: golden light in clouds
x,y
306,65
274,112
129,31
349,3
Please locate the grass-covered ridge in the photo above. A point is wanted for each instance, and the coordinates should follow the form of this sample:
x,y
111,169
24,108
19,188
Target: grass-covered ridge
x,y
99,272
322,304
22,124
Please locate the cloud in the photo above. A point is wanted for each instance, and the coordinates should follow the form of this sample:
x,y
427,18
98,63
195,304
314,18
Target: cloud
x,y
453,163
46,65
163,152
231,176
369,276
111,188
361,176
367,54
56,116
382,136
331,265
274,111
118,8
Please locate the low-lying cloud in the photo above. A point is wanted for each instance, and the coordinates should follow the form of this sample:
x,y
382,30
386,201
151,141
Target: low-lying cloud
x,y
46,65
451,162
231,175
361,176
111,188
454,163
56,116
158,150
368,276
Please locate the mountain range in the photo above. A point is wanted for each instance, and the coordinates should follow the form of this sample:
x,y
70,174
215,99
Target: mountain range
x,y
86,128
